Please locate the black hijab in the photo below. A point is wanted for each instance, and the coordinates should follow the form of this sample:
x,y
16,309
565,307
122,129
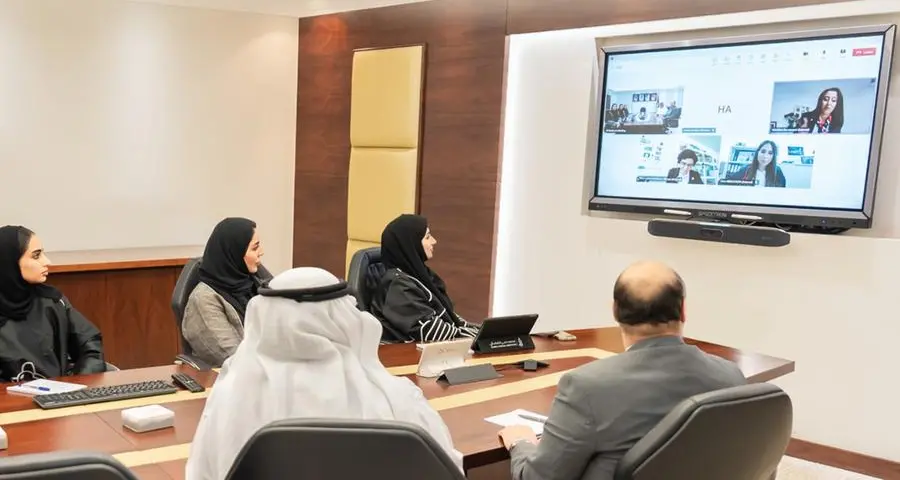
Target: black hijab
x,y
401,247
223,267
17,295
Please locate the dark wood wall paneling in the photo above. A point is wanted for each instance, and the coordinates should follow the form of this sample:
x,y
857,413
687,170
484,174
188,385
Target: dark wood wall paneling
x,y
466,42
131,309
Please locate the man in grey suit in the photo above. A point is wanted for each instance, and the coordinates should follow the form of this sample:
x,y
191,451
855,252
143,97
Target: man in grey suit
x,y
603,408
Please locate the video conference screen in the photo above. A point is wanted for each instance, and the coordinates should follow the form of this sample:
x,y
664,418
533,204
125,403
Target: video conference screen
x,y
785,123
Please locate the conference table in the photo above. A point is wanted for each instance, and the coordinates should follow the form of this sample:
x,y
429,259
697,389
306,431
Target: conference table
x,y
162,454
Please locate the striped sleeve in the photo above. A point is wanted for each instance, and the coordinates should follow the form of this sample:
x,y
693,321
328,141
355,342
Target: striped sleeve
x,y
436,329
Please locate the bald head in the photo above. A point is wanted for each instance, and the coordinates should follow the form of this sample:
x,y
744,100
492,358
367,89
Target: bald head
x,y
648,293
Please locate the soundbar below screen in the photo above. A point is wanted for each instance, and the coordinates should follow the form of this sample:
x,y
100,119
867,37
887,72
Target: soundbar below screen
x,y
785,123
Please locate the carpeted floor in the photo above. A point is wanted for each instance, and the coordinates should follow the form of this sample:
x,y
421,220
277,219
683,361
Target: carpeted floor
x,y
796,469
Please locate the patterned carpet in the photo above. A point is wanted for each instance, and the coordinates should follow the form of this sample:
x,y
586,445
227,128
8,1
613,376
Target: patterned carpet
x,y
796,469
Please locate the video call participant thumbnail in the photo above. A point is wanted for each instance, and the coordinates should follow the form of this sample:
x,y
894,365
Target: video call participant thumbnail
x,y
651,111
684,172
762,171
824,106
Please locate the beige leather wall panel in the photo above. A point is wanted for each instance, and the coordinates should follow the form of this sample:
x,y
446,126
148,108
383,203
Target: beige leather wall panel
x,y
385,125
386,97
382,185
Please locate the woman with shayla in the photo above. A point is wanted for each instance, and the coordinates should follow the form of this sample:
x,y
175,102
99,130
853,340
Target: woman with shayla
x,y
411,300
303,357
41,334
214,315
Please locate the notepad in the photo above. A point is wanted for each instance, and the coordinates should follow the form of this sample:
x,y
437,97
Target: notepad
x,y
520,417
44,387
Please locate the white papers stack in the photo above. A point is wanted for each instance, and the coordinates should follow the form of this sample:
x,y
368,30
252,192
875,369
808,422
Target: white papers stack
x,y
44,387
518,417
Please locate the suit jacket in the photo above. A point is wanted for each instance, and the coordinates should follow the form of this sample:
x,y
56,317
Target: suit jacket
x,y
211,325
603,408
809,121
675,174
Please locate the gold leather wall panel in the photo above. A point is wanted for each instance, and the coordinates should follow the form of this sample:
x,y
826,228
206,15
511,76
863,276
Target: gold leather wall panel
x,y
386,97
385,126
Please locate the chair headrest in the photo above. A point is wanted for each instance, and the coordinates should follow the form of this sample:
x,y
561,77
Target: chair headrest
x,y
65,465
313,445
365,272
187,280
757,421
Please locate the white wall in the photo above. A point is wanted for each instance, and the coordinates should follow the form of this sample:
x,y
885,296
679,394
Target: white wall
x,y
137,126
827,302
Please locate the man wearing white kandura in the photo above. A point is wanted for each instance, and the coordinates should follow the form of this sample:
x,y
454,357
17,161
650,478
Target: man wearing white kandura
x,y
303,359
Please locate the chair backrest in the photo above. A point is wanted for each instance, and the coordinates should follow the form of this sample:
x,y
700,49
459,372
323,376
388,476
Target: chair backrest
x,y
738,433
187,280
342,448
63,466
364,274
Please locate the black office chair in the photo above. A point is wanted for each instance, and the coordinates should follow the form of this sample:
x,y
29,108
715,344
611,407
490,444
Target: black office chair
x,y
364,274
737,433
63,466
187,280
339,449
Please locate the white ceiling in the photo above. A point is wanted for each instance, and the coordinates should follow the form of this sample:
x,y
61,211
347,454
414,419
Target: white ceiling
x,y
293,8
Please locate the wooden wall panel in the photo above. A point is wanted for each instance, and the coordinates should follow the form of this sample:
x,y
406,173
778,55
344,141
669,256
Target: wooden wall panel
x,y
143,329
131,309
323,144
465,48
527,16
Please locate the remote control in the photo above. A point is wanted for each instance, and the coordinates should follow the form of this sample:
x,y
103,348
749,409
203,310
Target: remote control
x,y
184,380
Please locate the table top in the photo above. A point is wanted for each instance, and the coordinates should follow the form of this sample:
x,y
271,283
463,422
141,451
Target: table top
x,y
162,454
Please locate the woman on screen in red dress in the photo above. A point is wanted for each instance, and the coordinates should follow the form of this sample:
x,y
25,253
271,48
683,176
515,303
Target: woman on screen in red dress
x,y
763,170
828,116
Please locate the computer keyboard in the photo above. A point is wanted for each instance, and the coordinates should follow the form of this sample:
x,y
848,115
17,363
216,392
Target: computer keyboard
x,y
104,394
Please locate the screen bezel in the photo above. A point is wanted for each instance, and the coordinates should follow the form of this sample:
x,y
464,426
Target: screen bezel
x,y
800,216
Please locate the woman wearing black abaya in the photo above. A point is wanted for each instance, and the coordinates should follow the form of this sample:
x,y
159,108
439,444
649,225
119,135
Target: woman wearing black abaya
x,y
214,315
41,335
411,300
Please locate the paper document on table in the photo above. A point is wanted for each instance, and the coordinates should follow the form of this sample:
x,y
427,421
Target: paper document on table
x,y
520,417
43,387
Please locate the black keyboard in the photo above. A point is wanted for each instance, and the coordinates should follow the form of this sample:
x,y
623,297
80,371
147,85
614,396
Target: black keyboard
x,y
104,394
